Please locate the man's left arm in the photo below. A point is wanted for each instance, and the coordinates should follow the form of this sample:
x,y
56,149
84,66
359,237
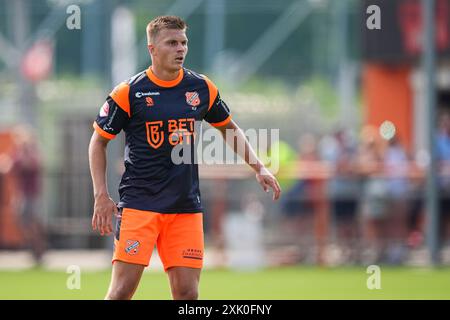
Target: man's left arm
x,y
263,175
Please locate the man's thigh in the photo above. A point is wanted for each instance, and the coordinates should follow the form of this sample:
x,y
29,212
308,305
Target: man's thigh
x,y
181,241
135,236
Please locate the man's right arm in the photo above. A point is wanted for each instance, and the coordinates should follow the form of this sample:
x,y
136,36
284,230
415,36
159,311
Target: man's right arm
x,y
104,206
112,117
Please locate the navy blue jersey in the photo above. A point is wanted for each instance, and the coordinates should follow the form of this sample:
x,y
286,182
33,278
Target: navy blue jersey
x,y
156,116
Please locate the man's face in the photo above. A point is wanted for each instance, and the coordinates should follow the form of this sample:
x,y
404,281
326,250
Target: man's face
x,y
169,48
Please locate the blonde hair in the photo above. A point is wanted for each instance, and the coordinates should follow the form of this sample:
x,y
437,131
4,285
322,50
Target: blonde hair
x,y
164,22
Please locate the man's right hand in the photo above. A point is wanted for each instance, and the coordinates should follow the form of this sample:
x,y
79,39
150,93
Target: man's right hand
x,y
104,207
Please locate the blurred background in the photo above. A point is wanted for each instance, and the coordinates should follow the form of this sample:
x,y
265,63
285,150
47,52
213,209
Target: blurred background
x,y
364,135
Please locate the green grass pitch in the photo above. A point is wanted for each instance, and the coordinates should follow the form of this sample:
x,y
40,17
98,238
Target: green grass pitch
x,y
292,283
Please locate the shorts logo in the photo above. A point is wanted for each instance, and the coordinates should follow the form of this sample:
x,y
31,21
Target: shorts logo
x,y
155,136
132,247
193,254
193,98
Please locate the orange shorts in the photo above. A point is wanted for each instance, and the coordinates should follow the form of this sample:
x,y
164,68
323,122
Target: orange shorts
x,y
178,237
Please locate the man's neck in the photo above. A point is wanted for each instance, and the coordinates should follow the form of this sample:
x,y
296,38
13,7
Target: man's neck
x,y
164,74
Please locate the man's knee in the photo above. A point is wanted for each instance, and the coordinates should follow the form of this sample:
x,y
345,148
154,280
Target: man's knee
x,y
120,292
184,283
124,281
185,293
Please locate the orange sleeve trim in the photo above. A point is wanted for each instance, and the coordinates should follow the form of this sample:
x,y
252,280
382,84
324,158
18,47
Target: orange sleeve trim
x,y
102,132
212,91
221,123
120,96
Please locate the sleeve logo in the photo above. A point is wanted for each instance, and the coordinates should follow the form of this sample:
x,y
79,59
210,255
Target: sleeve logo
x,y
104,110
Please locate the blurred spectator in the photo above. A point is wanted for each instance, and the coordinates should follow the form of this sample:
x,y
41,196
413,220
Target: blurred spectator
x,y
397,184
28,170
374,199
11,236
443,158
443,138
6,202
339,150
298,202
284,155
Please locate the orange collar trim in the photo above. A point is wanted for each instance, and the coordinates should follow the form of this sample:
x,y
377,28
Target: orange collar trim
x,y
164,83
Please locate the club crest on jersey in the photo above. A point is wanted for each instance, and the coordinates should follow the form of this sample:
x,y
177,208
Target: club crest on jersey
x,y
132,247
104,110
193,99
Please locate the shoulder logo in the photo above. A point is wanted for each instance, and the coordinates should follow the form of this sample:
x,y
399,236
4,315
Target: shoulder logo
x,y
132,247
193,99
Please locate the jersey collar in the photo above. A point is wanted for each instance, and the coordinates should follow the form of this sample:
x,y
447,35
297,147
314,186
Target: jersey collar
x,y
164,83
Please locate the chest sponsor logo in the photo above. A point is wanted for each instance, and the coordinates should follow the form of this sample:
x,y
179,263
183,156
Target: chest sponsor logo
x,y
193,98
179,131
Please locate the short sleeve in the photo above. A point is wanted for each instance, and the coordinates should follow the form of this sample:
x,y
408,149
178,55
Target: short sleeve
x,y
114,113
218,112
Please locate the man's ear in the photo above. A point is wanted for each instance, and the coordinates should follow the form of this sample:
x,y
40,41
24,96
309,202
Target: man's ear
x,y
151,49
